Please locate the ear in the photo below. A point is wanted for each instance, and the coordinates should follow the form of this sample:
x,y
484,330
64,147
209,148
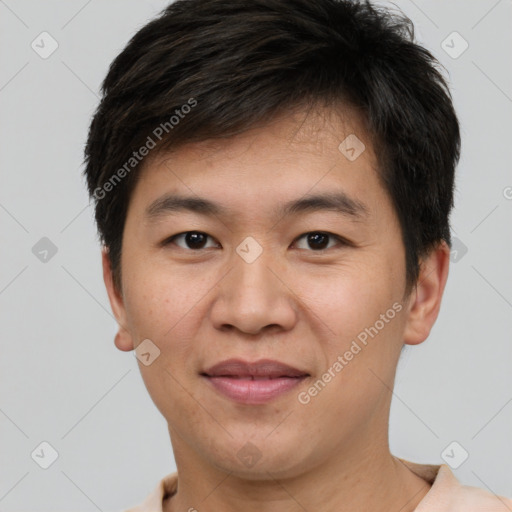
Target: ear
x,y
123,339
425,299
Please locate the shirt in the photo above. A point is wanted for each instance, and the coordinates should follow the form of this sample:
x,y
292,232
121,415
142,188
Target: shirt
x,y
447,494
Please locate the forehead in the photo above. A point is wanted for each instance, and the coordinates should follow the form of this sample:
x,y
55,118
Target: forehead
x,y
291,156
316,132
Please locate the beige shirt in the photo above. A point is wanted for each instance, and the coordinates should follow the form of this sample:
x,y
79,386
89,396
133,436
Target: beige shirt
x,y
447,494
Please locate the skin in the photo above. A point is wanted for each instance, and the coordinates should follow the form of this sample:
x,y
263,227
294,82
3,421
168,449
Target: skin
x,y
294,304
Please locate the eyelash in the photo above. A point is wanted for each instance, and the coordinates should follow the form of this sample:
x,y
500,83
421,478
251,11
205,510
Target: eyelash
x,y
341,241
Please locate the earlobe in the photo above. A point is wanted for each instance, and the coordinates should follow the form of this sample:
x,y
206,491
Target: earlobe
x,y
426,299
123,339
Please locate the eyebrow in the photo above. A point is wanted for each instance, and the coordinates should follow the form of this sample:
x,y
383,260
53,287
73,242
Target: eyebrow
x,y
338,202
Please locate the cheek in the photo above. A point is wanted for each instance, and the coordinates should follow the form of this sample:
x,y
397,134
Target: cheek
x,y
160,300
165,306
348,298
169,307
360,305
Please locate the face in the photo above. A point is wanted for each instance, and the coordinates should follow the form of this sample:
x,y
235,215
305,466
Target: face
x,y
275,248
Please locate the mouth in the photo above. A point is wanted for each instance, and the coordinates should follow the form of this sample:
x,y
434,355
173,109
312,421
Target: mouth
x,y
253,383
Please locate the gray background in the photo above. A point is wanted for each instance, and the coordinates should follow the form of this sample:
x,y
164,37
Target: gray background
x,y
61,378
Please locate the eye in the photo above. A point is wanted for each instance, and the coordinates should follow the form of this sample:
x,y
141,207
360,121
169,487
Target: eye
x,y
194,240
314,240
320,240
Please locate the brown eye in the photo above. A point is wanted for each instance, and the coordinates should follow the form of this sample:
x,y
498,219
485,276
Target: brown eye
x,y
194,240
319,240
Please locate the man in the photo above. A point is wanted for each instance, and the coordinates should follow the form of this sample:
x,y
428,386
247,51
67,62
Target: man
x,y
273,181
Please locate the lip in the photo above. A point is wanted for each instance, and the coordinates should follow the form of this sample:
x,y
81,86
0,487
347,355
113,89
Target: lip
x,y
253,382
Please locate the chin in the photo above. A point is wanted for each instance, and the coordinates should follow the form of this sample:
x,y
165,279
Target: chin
x,y
259,458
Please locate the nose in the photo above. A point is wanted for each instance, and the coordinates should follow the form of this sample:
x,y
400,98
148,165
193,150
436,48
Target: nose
x,y
254,298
